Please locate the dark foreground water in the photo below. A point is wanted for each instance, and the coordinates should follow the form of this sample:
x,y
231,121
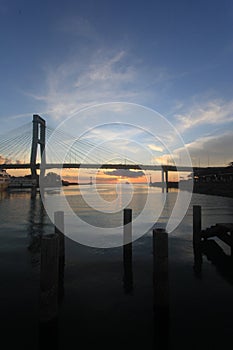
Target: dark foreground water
x,y
97,310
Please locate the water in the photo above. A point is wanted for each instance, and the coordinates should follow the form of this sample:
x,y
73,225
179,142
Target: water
x,y
95,307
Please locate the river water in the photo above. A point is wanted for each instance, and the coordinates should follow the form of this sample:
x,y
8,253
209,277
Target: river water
x,y
96,307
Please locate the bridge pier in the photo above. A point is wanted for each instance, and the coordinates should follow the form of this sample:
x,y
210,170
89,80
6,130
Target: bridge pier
x,y
38,138
164,179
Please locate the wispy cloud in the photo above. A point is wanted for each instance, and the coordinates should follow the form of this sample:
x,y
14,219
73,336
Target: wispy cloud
x,y
212,113
214,150
125,173
99,75
73,85
155,148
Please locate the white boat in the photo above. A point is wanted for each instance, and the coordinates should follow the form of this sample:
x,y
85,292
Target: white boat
x,y
4,179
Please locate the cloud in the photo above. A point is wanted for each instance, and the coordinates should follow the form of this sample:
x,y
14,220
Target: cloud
x,y
2,160
73,85
214,150
211,113
5,160
155,148
98,75
125,173
111,70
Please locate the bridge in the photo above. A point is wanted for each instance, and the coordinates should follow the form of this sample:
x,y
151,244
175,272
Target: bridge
x,y
100,166
14,148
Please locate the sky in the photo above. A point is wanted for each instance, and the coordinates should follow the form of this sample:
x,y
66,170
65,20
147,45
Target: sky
x,y
173,57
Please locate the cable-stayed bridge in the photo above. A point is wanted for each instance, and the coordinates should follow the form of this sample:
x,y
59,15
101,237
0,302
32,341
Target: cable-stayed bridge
x,y
21,148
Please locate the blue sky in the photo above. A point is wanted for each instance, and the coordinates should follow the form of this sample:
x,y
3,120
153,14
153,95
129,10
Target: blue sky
x,y
171,56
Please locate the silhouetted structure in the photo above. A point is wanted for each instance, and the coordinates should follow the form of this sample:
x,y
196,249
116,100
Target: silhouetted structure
x,y
222,231
59,230
161,288
214,174
127,251
38,138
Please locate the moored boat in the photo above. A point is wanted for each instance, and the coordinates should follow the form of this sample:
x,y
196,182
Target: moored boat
x,y
4,179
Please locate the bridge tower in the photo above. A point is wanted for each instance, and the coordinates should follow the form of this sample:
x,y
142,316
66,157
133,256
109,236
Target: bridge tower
x,y
38,138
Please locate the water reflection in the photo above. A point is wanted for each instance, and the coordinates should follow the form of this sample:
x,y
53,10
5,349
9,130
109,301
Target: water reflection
x,y
48,335
3,195
216,255
128,268
36,226
21,211
161,289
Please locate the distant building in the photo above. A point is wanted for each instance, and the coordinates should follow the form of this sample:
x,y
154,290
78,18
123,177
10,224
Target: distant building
x,y
22,182
214,174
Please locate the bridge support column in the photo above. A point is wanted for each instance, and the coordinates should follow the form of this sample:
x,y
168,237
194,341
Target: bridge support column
x,y
38,138
165,179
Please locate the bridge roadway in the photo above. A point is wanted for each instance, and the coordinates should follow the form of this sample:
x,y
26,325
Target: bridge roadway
x,y
165,168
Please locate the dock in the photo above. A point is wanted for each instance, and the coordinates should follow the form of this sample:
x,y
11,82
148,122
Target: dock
x,y
221,231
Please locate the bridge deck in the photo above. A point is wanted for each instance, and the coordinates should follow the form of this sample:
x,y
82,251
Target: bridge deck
x,y
101,166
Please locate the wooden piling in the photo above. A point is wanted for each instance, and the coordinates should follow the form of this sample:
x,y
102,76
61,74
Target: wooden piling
x,y
163,181
197,221
49,278
160,255
197,224
59,230
127,226
166,180
127,251
161,288
231,235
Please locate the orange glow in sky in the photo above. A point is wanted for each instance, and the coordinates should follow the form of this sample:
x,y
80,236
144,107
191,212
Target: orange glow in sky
x,y
100,176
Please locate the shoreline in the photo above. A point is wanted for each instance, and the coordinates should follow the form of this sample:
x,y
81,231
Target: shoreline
x,y
214,189
211,188
223,189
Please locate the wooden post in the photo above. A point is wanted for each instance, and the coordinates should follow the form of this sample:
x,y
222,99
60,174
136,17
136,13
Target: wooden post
x,y
166,179
197,238
127,251
231,235
161,287
49,278
33,191
160,254
163,181
59,230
